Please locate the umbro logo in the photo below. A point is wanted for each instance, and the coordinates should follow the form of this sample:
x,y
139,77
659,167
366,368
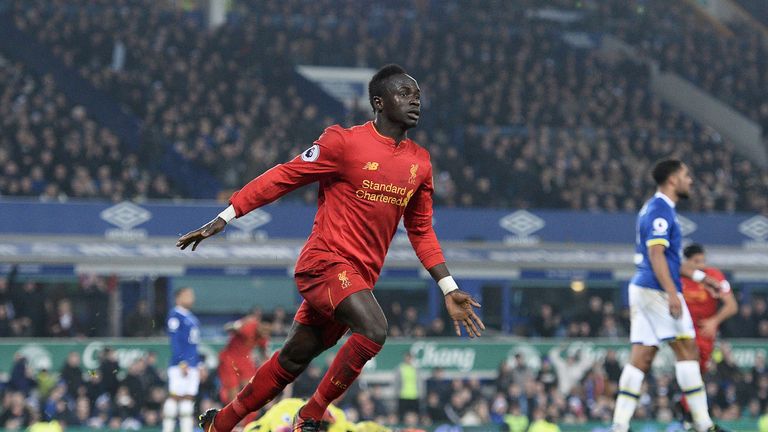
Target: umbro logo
x,y
371,166
126,215
755,227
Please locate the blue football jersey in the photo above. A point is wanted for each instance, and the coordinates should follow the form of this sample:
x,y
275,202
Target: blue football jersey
x,y
184,332
657,225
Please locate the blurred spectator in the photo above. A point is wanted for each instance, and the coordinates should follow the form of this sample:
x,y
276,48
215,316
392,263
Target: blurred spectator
x,y
21,379
140,323
279,322
541,423
64,324
29,309
108,369
6,324
135,381
547,375
569,370
407,387
546,323
72,374
16,415
744,324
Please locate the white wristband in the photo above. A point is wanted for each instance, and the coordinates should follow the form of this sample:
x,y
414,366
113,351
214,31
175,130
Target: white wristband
x,y
447,284
228,214
698,275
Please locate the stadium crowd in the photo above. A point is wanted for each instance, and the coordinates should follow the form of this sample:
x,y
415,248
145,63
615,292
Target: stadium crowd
x,y
568,387
726,61
53,150
544,125
600,318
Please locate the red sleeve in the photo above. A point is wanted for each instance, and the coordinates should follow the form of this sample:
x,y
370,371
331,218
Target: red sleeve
x,y
250,329
318,161
418,223
725,286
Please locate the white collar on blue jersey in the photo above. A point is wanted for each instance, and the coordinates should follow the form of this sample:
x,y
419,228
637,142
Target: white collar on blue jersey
x,y
182,310
665,198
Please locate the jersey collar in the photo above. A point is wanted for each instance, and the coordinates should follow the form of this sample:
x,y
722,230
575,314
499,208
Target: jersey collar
x,y
182,310
381,138
667,199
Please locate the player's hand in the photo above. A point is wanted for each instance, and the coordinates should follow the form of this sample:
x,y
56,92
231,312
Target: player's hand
x,y
712,286
460,306
195,237
708,328
675,306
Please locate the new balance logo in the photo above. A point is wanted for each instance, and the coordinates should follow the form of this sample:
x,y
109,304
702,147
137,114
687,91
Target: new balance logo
x,y
371,166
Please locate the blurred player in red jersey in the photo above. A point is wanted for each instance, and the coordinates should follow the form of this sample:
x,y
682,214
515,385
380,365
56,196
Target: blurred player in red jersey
x,y
236,364
703,302
371,176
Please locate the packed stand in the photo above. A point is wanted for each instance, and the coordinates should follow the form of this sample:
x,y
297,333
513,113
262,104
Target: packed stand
x,y
208,94
102,397
564,385
519,107
52,149
727,62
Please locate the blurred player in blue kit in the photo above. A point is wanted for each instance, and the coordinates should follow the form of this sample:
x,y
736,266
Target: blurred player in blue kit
x,y
183,372
658,312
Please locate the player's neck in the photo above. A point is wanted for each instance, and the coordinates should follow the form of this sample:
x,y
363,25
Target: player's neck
x,y
389,129
669,193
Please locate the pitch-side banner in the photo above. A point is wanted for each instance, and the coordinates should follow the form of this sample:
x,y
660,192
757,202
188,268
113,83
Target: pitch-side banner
x,y
451,354
131,221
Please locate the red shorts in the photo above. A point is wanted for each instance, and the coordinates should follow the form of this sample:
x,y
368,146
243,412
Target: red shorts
x,y
323,289
234,371
706,346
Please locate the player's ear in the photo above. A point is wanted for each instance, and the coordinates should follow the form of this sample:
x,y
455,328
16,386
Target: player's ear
x,y
378,103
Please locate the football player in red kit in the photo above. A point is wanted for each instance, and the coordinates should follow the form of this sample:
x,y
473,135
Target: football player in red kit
x,y
236,365
703,302
370,177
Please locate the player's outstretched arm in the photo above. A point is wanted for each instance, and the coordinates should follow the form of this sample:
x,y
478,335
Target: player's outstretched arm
x,y
460,305
195,237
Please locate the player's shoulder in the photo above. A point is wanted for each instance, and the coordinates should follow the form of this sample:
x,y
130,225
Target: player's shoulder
x,y
338,129
334,135
657,206
715,273
420,152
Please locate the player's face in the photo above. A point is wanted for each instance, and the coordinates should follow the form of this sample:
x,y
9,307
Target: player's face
x,y
699,261
187,298
684,181
401,103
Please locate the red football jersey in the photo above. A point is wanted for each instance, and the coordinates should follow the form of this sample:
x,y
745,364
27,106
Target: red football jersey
x,y
367,183
700,302
245,339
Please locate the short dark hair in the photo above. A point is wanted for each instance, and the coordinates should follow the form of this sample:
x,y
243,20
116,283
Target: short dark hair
x,y
376,85
664,169
693,249
180,291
